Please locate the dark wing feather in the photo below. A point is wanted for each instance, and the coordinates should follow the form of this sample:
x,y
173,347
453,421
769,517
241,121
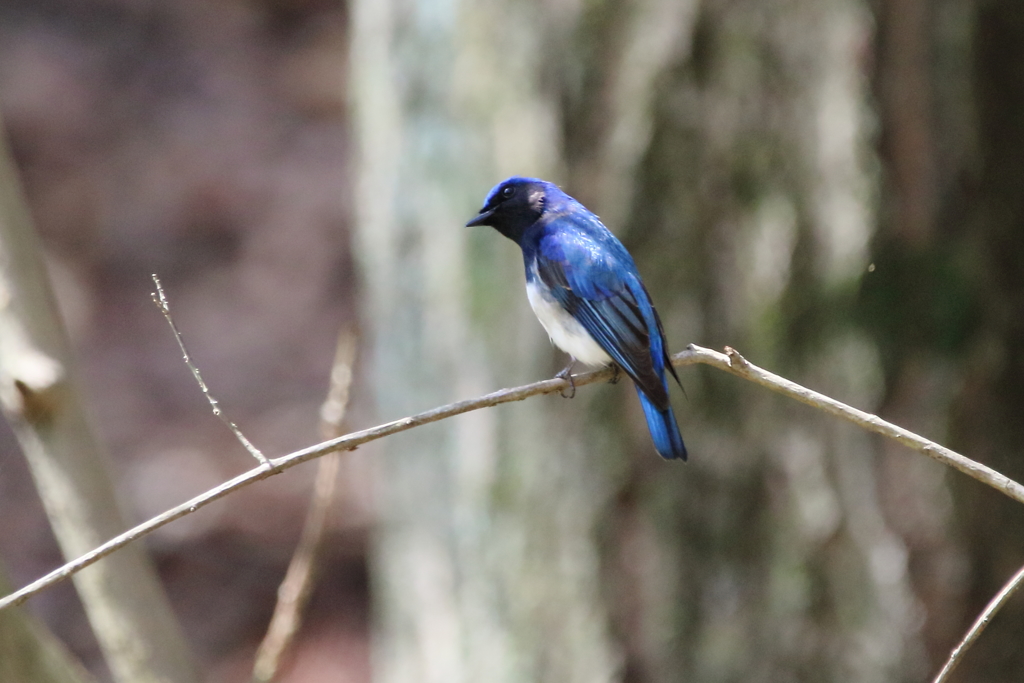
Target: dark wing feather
x,y
600,290
661,335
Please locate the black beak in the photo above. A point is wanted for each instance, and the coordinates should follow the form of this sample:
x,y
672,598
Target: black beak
x,y
481,219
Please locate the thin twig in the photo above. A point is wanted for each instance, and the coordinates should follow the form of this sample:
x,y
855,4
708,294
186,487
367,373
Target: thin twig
x,y
733,363
979,625
295,589
161,301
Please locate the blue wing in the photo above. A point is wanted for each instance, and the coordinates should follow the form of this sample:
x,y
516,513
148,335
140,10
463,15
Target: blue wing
x,y
594,278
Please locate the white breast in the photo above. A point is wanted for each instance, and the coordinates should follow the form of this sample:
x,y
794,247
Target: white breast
x,y
565,332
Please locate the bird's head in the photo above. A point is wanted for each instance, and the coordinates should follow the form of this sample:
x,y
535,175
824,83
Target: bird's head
x,y
513,205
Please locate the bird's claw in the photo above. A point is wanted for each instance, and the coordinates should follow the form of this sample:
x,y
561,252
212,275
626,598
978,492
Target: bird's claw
x,y
616,374
566,374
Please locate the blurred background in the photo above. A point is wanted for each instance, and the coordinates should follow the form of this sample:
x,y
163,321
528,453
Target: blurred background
x,y
833,187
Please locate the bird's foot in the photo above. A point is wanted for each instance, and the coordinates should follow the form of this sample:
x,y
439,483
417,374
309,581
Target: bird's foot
x,y
616,374
566,374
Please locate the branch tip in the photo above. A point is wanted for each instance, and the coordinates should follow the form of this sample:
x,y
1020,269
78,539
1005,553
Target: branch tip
x,y
160,299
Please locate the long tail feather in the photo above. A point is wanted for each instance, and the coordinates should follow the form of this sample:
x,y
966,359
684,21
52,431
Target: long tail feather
x,y
664,430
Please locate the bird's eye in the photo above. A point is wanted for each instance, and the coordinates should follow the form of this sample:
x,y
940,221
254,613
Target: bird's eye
x,y
508,191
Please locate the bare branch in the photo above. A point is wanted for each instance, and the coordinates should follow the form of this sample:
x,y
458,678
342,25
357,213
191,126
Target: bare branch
x,y
979,625
165,307
730,362
295,589
733,362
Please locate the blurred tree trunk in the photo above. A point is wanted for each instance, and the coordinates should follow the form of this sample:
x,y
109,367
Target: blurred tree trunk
x,y
728,143
945,305
990,406
122,596
917,303
769,557
484,562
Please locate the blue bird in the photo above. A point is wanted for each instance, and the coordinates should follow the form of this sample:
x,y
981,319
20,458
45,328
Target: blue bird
x,y
587,293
